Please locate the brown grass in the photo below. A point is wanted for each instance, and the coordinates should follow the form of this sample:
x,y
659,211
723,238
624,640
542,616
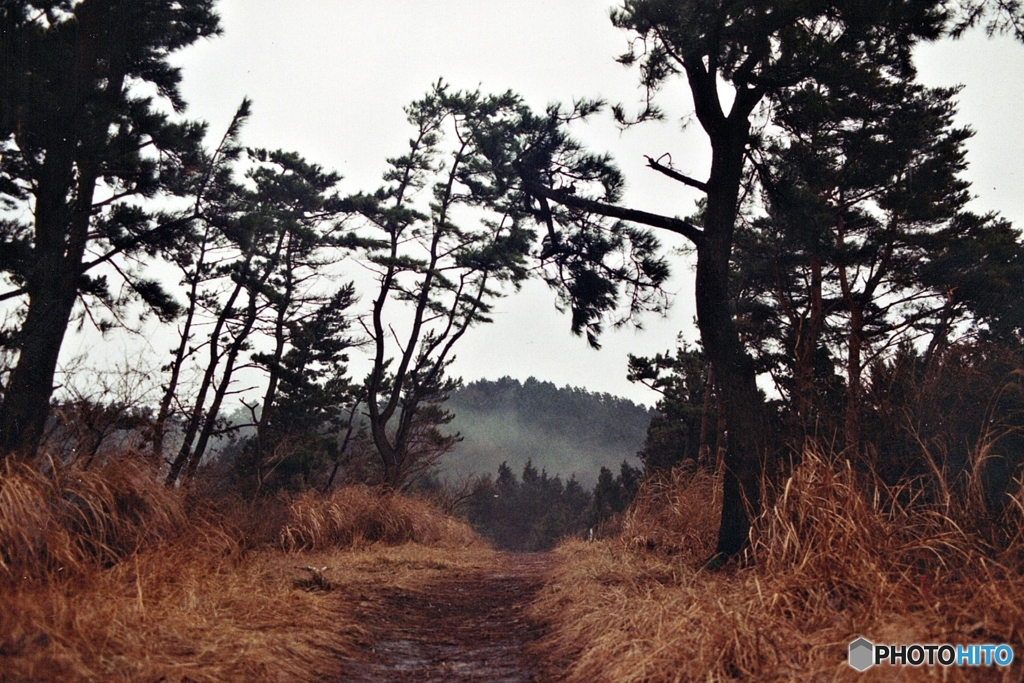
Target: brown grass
x,y
72,520
109,576
675,514
833,559
358,515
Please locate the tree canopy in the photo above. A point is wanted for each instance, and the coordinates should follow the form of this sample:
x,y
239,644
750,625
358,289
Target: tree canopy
x,y
80,145
761,54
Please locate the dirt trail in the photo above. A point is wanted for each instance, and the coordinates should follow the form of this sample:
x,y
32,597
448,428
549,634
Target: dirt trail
x,y
469,627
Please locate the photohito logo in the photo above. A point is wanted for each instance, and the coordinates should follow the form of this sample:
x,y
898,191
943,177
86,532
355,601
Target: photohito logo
x,y
864,654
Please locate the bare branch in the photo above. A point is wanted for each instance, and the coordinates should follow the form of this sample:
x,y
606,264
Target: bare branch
x,y
676,225
674,174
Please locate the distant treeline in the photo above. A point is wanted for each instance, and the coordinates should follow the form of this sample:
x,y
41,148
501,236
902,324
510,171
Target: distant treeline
x,y
564,431
533,513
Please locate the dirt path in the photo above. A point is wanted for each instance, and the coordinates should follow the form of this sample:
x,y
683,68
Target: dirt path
x,y
468,627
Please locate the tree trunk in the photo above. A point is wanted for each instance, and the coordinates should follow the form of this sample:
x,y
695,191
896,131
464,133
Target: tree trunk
x,y
808,335
704,448
63,212
741,405
855,341
241,339
180,354
739,398
274,365
854,368
343,449
195,419
52,290
27,398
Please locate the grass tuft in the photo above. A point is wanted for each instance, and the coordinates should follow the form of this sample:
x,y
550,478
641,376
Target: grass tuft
x,y
834,557
675,513
358,515
71,521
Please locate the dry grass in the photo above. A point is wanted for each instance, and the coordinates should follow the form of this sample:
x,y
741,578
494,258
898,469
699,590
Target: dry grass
x,y
177,614
358,515
831,563
72,520
108,576
674,514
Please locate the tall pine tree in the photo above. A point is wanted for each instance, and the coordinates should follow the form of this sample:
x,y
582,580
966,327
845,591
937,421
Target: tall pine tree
x,y
80,145
734,58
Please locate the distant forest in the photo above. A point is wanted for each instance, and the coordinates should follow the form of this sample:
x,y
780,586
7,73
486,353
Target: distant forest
x,y
564,431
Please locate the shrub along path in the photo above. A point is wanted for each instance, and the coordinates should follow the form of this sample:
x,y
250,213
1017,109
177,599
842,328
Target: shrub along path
x,y
470,625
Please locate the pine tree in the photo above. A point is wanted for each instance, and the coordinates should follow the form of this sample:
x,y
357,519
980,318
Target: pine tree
x,y
682,430
447,261
79,143
198,252
760,52
281,230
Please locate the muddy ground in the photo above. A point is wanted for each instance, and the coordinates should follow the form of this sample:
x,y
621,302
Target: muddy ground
x,y
470,625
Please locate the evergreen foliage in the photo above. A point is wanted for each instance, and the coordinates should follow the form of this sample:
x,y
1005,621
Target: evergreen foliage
x,y
276,234
614,493
682,429
81,152
530,514
534,512
865,209
471,239
765,54
445,244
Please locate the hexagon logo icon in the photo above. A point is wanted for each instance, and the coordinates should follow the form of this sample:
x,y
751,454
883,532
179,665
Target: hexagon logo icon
x,y
862,654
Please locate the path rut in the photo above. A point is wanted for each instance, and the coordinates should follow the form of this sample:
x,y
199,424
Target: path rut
x,y
470,627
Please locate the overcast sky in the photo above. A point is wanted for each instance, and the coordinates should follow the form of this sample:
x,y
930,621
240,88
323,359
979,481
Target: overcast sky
x,y
329,78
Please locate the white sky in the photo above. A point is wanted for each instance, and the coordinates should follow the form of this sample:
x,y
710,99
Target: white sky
x,y
329,79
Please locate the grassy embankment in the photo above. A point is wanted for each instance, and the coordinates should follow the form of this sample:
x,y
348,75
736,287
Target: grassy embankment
x,y
834,556
106,575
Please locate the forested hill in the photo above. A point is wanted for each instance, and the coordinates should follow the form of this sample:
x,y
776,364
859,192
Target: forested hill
x,y
565,430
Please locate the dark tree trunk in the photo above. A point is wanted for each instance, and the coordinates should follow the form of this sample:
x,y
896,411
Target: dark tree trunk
x,y
738,397
254,284
343,449
240,341
195,419
180,354
27,399
739,400
704,448
854,367
855,343
63,211
740,403
808,335
263,425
